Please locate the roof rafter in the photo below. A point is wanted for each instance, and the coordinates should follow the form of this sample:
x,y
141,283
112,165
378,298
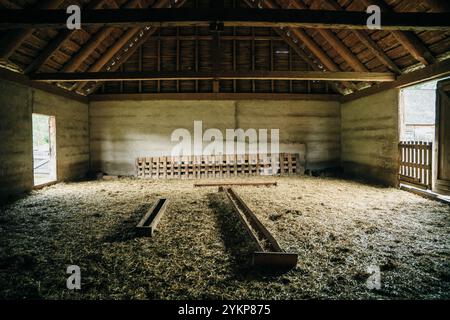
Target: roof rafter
x,y
439,5
333,40
93,43
407,38
56,43
367,40
13,39
125,46
325,61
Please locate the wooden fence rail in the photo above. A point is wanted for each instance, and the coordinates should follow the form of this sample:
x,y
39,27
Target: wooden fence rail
x,y
415,163
219,166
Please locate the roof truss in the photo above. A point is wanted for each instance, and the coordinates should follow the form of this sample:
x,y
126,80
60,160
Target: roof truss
x,y
291,25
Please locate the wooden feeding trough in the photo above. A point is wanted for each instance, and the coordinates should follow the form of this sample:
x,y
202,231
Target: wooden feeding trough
x,y
269,252
150,220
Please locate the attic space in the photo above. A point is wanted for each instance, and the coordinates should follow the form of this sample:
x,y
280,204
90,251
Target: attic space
x,y
232,149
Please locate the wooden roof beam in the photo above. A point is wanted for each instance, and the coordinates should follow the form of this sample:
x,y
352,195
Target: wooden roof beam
x,y
408,39
13,39
214,75
188,17
56,43
431,72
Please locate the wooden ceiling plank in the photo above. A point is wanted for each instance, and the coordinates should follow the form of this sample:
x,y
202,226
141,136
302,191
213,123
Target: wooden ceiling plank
x,y
335,42
56,43
367,41
325,61
439,5
408,39
123,42
92,44
13,39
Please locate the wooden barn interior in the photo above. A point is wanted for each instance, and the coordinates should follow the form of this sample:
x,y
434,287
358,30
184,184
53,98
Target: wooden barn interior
x,y
353,191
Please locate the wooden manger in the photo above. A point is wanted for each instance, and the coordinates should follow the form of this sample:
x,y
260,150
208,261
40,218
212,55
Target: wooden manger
x,y
269,254
149,222
220,166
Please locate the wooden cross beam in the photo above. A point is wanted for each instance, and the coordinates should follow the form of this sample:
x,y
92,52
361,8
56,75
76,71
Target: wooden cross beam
x,y
221,75
323,19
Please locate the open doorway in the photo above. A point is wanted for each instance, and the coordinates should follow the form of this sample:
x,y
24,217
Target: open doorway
x,y
417,134
418,113
422,109
44,149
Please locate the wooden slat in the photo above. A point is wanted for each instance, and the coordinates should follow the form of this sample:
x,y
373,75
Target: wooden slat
x,y
220,166
415,165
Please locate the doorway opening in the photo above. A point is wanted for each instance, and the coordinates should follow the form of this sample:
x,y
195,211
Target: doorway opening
x,y
44,149
422,108
417,134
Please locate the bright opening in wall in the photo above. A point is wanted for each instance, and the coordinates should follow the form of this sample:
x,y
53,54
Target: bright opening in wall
x,y
424,157
418,112
44,149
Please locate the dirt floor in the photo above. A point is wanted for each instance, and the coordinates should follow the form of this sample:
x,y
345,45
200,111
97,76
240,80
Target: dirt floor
x,y
338,228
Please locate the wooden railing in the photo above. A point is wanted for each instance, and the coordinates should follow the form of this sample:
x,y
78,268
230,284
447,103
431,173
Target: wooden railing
x,y
415,163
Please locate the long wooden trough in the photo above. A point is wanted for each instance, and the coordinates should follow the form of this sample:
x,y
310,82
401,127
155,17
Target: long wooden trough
x,y
269,252
149,222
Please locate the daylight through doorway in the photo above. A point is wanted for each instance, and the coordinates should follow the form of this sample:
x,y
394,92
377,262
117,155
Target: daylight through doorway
x,y
44,149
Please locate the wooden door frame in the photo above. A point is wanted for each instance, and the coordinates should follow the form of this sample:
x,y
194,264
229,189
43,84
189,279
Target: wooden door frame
x,y
439,185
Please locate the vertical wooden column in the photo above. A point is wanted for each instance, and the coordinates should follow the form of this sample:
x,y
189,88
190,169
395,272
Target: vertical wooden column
x,y
178,56
253,56
272,83
159,58
196,57
216,28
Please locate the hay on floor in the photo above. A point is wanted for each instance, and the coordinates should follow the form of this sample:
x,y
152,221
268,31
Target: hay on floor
x,y
200,251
